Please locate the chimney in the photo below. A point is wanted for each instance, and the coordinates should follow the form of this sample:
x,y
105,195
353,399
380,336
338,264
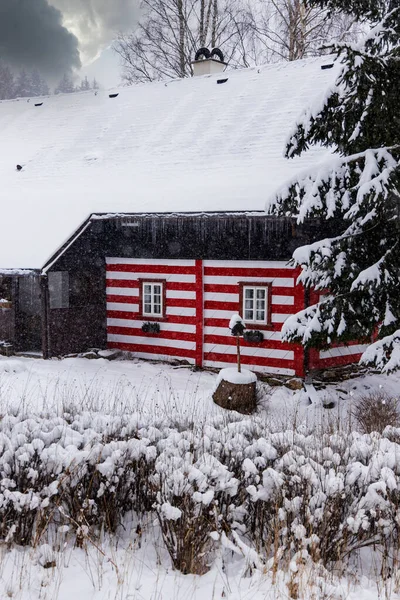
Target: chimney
x,y
208,63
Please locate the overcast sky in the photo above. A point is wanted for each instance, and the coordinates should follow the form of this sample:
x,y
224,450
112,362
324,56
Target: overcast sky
x,y
57,36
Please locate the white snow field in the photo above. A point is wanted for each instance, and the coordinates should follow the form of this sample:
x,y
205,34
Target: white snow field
x,y
185,145
134,564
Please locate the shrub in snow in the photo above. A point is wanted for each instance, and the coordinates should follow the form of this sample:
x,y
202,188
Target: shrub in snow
x,y
375,411
272,496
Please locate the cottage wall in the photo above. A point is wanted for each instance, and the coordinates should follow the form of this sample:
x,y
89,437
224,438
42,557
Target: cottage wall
x,y
200,298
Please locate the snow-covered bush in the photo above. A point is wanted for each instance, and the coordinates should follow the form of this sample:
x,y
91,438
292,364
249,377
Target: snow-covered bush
x,y
271,495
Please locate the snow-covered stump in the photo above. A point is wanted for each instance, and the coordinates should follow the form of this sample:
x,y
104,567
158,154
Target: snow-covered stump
x,y
236,391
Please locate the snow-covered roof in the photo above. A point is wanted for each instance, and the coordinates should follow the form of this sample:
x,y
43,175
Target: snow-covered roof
x,y
182,146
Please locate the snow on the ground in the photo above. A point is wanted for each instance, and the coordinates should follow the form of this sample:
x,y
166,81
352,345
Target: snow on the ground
x,y
132,567
33,385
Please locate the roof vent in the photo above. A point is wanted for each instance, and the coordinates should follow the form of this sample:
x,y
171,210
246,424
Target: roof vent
x,y
222,80
324,67
19,167
113,95
39,104
208,63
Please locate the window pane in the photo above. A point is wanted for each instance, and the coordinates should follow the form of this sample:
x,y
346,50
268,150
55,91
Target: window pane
x,y
147,308
248,292
157,309
248,304
260,315
147,288
157,289
260,304
261,293
248,315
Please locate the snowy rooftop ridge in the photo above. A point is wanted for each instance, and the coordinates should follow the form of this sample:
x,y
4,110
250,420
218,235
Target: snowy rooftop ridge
x,y
188,145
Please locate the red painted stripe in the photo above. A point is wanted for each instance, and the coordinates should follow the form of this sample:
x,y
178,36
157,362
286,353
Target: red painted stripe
x,y
181,302
199,313
231,341
120,314
134,284
171,269
211,322
165,335
123,299
244,272
282,309
166,351
123,283
337,361
250,360
234,289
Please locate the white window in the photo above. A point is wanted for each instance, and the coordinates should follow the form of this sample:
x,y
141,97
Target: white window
x,y
152,299
255,304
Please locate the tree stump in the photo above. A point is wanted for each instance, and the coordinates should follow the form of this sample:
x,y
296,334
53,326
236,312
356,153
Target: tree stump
x,y
236,391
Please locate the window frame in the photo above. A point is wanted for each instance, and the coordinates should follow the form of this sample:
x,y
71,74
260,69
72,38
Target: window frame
x,y
267,285
152,316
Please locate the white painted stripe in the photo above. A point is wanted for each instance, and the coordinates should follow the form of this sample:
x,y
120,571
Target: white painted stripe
x,y
343,351
258,368
221,297
250,351
114,291
234,280
135,276
161,357
181,294
181,312
133,308
279,318
149,341
225,331
214,313
177,327
150,261
286,300
248,264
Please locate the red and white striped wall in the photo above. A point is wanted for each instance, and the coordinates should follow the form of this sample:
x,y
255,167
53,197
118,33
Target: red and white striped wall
x,y
221,300
201,297
177,337
338,355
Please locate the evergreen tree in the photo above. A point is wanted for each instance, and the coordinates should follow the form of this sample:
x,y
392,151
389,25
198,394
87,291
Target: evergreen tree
x,y
85,85
65,85
7,85
23,85
357,190
38,86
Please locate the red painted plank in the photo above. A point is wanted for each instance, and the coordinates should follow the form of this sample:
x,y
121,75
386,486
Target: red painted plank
x,y
231,341
134,284
280,309
151,268
122,299
337,361
167,351
234,289
120,314
244,272
165,335
250,360
181,302
211,322
199,313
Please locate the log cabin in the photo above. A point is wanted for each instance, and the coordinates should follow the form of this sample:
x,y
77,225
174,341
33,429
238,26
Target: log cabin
x,y
134,219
